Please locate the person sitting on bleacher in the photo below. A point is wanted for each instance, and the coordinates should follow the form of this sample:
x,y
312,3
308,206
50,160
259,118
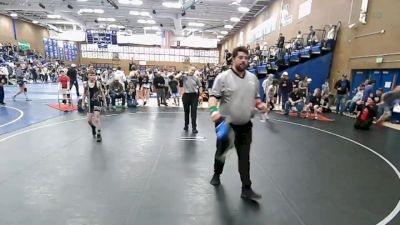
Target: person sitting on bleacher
x,y
314,104
117,91
311,38
329,37
296,99
297,44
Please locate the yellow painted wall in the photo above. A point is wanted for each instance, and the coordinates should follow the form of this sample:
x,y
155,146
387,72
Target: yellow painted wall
x,y
26,32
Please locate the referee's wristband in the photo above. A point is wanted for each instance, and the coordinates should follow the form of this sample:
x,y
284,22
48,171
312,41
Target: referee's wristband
x,y
213,109
214,113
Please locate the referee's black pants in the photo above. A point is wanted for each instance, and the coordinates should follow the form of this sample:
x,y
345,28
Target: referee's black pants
x,y
190,102
243,138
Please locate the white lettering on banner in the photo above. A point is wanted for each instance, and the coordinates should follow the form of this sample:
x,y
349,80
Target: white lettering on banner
x,y
263,29
305,8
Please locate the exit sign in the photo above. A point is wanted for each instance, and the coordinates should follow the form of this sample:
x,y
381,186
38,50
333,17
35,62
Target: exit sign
x,y
379,59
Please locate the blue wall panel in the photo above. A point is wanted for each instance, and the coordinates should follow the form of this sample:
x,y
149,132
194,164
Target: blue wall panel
x,y
317,69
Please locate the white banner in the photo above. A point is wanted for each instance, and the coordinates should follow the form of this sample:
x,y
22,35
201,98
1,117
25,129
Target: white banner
x,y
305,9
263,29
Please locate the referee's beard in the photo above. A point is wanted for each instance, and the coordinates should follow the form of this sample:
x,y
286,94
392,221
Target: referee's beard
x,y
240,67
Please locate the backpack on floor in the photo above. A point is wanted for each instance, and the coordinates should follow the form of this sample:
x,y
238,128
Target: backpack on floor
x,y
132,103
80,109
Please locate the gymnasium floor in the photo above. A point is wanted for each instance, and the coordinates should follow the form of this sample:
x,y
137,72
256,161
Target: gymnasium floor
x,y
148,171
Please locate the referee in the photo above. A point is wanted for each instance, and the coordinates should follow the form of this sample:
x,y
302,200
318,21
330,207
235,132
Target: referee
x,y
236,92
190,98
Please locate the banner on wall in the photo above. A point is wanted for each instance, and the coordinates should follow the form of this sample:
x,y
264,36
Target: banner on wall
x,y
24,46
263,29
305,9
286,17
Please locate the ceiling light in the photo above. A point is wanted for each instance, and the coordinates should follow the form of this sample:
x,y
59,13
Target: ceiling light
x,y
235,19
175,5
151,28
106,19
115,26
228,26
220,36
224,32
136,13
82,0
131,2
13,15
193,24
54,16
243,9
144,13
99,11
146,21
191,29
35,21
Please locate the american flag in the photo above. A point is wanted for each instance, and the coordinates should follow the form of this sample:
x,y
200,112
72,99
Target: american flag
x,y
166,39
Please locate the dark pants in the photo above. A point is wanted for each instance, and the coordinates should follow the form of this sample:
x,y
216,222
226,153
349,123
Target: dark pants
x,y
1,93
115,95
74,83
160,96
243,138
190,102
285,98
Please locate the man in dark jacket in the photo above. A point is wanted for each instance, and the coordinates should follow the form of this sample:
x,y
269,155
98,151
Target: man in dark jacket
x,y
72,74
159,84
285,87
343,87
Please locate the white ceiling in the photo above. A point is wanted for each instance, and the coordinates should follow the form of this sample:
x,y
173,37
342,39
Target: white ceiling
x,y
214,14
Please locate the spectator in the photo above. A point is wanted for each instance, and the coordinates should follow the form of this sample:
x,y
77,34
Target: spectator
x,y
296,81
357,99
265,85
369,90
72,74
328,41
281,47
228,58
271,92
120,76
64,81
296,100
117,91
2,82
364,119
311,38
314,104
303,87
159,85
285,87
173,84
343,87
